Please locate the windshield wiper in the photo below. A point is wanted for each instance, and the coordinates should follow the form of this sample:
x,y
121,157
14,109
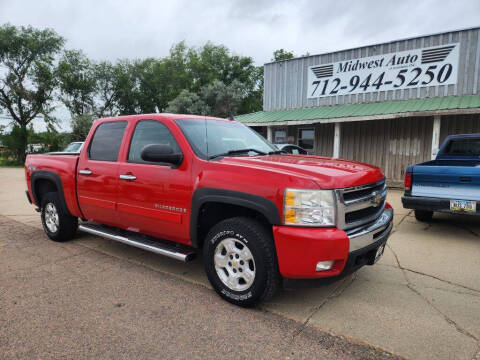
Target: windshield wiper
x,y
234,152
277,152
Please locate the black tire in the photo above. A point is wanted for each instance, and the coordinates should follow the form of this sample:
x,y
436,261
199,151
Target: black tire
x,y
259,242
423,215
67,224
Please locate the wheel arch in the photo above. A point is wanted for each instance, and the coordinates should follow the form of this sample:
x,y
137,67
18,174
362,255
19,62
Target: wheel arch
x,y
210,206
43,182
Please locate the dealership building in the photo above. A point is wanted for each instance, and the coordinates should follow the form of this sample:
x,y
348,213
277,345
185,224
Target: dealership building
x,y
388,104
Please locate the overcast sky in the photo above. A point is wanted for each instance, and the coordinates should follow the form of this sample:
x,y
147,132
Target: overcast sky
x,y
142,28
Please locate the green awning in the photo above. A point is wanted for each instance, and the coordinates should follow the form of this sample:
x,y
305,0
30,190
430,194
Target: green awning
x,y
367,111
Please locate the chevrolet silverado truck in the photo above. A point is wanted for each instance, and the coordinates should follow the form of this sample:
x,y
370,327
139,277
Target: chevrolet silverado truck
x,y
450,183
177,185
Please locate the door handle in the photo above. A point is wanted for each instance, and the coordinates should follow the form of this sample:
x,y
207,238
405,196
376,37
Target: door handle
x,y
85,172
128,177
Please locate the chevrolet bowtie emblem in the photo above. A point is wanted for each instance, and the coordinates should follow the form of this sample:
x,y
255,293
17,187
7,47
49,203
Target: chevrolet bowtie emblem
x,y
376,199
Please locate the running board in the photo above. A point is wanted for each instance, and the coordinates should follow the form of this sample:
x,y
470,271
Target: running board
x,y
139,241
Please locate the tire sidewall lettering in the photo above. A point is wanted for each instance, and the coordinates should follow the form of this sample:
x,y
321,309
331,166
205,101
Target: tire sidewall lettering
x,y
237,296
221,234
228,233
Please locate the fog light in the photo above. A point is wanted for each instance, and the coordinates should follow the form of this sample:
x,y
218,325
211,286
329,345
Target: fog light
x,y
324,265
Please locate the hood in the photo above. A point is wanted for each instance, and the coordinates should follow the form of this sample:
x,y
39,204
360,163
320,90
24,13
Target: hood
x,y
328,173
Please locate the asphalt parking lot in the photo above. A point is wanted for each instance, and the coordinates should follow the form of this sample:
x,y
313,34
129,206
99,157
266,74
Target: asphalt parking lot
x,y
96,298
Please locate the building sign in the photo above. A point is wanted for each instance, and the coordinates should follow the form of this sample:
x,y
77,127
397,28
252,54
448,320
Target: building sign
x,y
409,69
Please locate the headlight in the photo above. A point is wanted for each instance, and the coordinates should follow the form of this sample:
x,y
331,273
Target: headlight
x,y
309,207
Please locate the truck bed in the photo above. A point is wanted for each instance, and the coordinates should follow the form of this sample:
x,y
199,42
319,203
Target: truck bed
x,y
64,165
447,179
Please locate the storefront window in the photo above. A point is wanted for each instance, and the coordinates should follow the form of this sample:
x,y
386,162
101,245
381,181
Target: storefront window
x,y
306,138
280,136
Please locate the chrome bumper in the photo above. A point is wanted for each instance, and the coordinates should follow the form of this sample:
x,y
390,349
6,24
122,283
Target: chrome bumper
x,y
364,236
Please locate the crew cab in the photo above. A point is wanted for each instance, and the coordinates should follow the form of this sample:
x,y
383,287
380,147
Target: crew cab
x,y
450,183
182,184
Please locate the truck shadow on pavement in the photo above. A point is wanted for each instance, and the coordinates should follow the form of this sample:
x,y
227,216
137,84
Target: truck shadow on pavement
x,y
88,298
409,309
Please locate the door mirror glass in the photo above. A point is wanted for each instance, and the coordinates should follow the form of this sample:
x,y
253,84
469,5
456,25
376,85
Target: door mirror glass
x,y
161,153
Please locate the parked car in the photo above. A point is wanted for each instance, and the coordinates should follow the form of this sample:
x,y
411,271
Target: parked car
x,y
34,148
73,147
292,149
215,185
450,183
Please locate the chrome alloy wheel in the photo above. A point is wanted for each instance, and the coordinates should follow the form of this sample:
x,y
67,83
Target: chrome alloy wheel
x,y
51,218
234,264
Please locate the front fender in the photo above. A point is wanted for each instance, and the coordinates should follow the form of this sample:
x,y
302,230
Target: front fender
x,y
260,204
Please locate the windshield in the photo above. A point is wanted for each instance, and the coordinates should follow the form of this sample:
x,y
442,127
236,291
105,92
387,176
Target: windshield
x,y
73,147
210,138
462,147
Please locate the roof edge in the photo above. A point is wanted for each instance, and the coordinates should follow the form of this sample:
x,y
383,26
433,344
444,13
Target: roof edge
x,y
465,111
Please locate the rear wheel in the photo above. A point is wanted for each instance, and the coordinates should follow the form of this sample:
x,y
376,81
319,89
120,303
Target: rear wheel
x,y
58,225
240,261
423,215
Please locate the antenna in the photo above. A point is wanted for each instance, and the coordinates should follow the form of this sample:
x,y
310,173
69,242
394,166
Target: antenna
x,y
206,134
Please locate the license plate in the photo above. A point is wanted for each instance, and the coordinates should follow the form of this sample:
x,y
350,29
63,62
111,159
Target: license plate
x,y
463,205
379,253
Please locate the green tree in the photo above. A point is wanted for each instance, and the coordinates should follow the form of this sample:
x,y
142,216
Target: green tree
x,y
216,99
126,85
253,101
106,90
206,70
51,139
77,82
27,79
86,87
81,125
282,54
223,100
149,77
13,141
161,80
173,75
214,62
207,64
188,103
155,83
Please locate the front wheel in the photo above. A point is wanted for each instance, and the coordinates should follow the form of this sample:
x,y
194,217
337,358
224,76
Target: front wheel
x,y
240,261
58,225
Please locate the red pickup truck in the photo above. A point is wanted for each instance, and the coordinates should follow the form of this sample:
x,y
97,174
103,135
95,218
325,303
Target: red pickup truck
x,y
179,184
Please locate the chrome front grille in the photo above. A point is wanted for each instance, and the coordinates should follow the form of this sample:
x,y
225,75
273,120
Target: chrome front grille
x,y
360,205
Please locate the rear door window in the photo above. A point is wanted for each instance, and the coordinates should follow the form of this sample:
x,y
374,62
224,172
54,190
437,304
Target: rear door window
x,y
107,141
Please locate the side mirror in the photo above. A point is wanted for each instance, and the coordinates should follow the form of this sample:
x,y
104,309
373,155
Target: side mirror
x,y
161,154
